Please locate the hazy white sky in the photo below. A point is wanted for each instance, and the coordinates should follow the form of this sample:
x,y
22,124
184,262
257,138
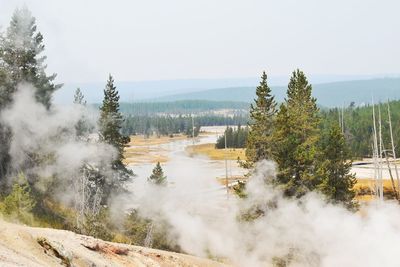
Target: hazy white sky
x,y
174,39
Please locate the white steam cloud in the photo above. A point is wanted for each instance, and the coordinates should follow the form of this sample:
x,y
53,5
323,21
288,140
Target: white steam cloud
x,y
305,232
38,131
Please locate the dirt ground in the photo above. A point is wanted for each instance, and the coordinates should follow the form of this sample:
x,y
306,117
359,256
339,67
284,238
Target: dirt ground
x,y
29,246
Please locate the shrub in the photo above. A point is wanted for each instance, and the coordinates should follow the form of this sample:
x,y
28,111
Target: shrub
x,y
19,203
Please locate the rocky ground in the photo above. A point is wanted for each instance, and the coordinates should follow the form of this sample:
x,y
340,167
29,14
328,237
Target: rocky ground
x,y
29,246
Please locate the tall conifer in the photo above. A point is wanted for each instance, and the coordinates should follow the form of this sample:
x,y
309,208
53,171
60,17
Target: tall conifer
x,y
157,177
20,53
262,113
110,123
336,180
295,138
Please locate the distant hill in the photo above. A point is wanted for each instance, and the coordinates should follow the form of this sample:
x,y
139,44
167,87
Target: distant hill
x,y
327,94
134,91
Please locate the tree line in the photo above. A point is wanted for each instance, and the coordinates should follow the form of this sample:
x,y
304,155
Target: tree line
x,y
168,125
358,125
182,107
234,138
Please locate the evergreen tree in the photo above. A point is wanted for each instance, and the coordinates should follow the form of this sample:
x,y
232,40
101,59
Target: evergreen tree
x,y
21,61
5,158
19,203
111,122
262,113
336,180
234,138
295,138
157,177
83,128
20,53
79,98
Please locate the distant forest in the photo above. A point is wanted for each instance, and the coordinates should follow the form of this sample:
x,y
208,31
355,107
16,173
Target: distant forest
x,y
168,125
166,118
235,138
182,107
358,126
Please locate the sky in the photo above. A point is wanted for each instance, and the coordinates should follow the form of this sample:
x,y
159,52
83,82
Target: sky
x,y
214,39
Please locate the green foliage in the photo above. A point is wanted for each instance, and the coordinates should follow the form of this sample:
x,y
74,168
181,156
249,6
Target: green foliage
x,y
98,225
192,129
20,54
137,229
169,125
5,158
111,122
179,107
83,128
358,126
19,203
336,180
50,213
79,98
21,60
295,138
234,138
240,189
157,177
262,113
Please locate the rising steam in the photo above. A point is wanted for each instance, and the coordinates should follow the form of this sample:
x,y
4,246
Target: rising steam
x,y
51,133
305,232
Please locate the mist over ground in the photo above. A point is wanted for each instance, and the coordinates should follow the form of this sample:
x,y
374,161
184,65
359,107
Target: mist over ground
x,y
302,232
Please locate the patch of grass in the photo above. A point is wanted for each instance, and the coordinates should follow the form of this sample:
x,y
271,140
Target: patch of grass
x,y
49,213
141,140
143,154
365,189
210,151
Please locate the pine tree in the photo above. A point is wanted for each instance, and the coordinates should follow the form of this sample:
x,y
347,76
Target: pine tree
x,y
262,113
82,127
336,180
295,138
79,98
19,203
21,61
111,122
20,53
157,177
